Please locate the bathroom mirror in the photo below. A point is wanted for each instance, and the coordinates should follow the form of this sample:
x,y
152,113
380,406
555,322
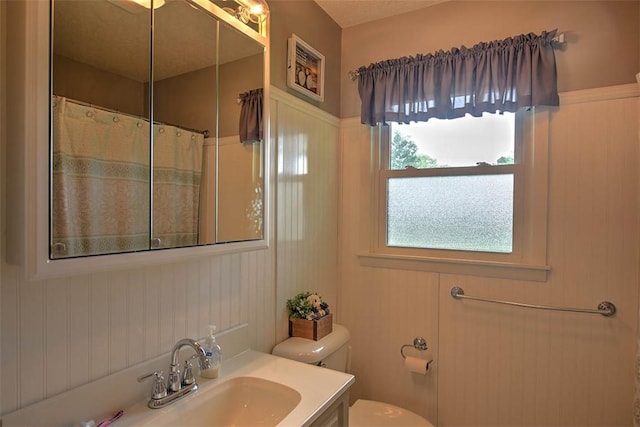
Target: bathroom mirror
x,y
146,152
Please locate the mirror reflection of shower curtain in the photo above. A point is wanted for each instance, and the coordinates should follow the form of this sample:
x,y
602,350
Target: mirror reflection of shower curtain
x,y
177,170
100,190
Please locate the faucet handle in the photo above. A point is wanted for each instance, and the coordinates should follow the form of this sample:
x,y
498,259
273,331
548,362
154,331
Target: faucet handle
x,y
187,374
174,383
159,387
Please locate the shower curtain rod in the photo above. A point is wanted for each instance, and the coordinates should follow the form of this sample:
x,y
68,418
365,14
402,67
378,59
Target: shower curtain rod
x,y
557,41
205,133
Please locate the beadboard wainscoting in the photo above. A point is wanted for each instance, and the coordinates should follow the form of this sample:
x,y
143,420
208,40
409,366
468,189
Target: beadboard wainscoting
x,y
62,333
306,210
511,366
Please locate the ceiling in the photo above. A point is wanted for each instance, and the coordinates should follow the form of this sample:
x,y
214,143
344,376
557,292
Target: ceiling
x,y
113,36
348,13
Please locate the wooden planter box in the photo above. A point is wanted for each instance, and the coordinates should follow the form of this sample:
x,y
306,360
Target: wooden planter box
x,y
311,329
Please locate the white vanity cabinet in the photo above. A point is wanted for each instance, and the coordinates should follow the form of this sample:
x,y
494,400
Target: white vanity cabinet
x,y
337,415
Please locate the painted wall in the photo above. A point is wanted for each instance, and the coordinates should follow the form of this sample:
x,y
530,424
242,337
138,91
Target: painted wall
x,y
188,99
59,334
498,365
195,89
309,22
601,49
83,82
3,141
307,137
307,203
240,179
237,77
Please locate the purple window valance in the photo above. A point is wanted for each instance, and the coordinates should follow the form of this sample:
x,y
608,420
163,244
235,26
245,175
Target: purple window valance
x,y
251,115
503,75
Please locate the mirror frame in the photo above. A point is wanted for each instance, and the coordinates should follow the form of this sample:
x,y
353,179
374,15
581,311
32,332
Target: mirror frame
x,y
29,186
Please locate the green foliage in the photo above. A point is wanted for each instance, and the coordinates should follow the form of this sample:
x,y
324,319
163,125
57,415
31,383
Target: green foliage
x,y
299,307
425,161
505,160
404,152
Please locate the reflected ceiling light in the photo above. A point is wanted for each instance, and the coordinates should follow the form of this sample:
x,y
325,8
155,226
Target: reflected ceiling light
x,y
255,11
147,3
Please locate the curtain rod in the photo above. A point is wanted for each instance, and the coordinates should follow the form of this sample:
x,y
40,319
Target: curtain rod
x,y
557,41
111,110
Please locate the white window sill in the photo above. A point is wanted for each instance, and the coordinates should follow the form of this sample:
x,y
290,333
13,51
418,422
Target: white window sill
x,y
504,270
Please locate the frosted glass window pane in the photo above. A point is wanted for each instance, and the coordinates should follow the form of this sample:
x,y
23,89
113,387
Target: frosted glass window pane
x,y
472,213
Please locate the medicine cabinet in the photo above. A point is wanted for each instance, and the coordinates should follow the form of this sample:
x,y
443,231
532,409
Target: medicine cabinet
x,y
132,129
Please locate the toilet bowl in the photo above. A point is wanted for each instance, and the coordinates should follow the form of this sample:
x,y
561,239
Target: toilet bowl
x,y
369,413
333,352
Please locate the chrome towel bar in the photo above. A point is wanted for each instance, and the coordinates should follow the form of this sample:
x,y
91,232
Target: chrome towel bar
x,y
605,308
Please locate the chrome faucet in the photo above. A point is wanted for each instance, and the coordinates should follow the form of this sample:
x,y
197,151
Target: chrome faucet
x,y
176,386
174,382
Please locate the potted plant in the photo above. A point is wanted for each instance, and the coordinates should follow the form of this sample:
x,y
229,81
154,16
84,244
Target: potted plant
x,y
309,316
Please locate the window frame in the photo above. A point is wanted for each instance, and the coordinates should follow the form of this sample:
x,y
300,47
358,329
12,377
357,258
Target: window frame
x,y
530,170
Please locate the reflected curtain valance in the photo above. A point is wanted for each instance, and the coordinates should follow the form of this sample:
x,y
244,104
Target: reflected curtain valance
x,y
503,75
251,115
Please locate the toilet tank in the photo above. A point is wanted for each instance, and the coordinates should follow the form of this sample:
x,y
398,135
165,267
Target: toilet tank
x,y
331,351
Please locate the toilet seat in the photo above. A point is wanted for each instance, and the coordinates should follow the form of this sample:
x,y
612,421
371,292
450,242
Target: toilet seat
x,y
369,413
333,352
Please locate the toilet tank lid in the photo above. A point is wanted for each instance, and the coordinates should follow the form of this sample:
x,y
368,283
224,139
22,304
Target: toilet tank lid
x,y
309,351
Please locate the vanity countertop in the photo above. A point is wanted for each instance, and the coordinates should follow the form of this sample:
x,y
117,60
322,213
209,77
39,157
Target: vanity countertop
x,y
98,400
318,387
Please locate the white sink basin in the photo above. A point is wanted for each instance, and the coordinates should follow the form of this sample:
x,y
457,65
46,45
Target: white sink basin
x,y
253,389
240,402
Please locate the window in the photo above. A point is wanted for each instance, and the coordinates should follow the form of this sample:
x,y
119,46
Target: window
x,y
450,184
469,191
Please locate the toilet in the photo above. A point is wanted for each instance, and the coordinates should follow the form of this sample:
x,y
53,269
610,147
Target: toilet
x,y
333,352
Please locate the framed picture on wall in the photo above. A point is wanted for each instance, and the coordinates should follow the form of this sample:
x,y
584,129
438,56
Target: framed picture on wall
x,y
305,69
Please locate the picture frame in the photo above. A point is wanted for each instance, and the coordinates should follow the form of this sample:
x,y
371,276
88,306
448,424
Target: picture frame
x,y
305,69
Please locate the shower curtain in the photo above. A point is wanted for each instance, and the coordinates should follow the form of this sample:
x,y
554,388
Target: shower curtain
x,y
177,170
101,182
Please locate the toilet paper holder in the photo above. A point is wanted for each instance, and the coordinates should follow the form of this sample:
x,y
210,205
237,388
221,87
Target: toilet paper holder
x,y
420,344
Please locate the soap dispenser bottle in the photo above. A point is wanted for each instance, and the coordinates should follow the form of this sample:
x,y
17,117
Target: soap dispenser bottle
x,y
214,355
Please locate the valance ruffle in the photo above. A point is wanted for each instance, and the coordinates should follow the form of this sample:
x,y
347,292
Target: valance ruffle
x,y
250,126
503,75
